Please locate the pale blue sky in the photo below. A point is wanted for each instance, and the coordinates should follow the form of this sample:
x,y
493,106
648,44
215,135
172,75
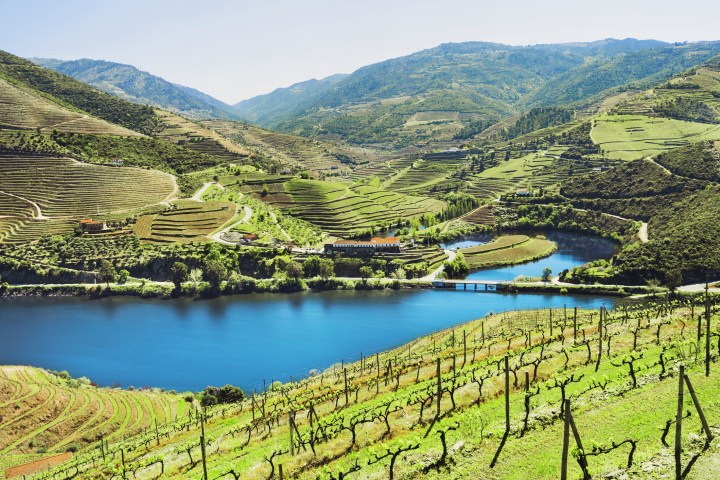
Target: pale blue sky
x,y
236,49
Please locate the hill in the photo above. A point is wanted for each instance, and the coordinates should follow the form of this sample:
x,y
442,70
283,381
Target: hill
x,y
132,84
435,408
77,95
75,413
681,211
280,103
434,93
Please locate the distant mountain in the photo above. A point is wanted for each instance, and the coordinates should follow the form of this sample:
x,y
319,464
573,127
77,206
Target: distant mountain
x,y
434,93
282,102
130,83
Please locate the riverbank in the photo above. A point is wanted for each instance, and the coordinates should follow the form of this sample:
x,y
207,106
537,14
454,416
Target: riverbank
x,y
204,290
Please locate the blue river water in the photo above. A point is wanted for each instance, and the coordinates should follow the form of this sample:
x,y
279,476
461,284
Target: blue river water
x,y
189,344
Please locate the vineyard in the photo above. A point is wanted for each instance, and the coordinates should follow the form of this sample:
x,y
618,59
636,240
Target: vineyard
x,y
47,195
74,413
185,221
437,407
341,211
508,250
26,109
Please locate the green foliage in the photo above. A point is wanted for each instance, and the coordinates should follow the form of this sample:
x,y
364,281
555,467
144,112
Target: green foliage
x,y
457,268
546,274
222,395
179,273
537,118
700,161
688,109
107,271
473,127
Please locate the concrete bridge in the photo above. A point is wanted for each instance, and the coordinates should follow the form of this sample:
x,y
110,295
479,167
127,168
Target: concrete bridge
x,y
474,285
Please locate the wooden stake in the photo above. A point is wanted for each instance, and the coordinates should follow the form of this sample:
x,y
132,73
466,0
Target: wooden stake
x,y
703,420
566,442
707,331
202,445
678,425
575,324
439,388
346,386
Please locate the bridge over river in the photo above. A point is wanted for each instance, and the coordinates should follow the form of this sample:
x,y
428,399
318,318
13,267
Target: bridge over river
x,y
475,285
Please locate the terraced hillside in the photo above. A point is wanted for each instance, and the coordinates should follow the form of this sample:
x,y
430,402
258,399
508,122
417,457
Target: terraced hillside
x,y
194,136
24,108
630,137
48,195
74,413
508,250
434,408
185,221
293,151
339,210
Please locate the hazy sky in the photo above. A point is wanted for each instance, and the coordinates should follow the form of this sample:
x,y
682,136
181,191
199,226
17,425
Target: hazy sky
x,y
237,49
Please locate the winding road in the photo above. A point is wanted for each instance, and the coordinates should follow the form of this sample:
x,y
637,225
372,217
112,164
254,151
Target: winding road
x,y
217,237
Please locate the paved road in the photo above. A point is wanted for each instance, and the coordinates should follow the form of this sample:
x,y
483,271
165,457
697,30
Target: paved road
x,y
431,276
198,195
217,236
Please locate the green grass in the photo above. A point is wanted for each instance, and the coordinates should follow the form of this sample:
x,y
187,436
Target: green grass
x,y
629,137
339,210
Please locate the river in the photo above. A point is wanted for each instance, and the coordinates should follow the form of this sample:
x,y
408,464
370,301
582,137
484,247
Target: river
x,y
188,344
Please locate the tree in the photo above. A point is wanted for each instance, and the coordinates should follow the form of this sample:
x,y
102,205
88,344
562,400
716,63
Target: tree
x,y
294,270
106,271
326,268
123,276
546,274
196,275
673,278
215,273
179,273
366,272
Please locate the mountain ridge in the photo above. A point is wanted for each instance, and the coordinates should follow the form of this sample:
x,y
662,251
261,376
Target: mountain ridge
x,y
130,83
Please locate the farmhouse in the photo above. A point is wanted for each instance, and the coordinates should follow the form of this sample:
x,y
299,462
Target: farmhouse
x,y
89,225
376,244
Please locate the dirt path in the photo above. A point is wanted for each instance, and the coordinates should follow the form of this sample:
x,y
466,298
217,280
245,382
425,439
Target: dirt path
x,y
172,194
39,215
652,160
282,230
643,233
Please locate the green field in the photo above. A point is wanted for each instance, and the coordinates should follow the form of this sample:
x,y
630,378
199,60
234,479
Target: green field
x,y
629,137
23,108
508,250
